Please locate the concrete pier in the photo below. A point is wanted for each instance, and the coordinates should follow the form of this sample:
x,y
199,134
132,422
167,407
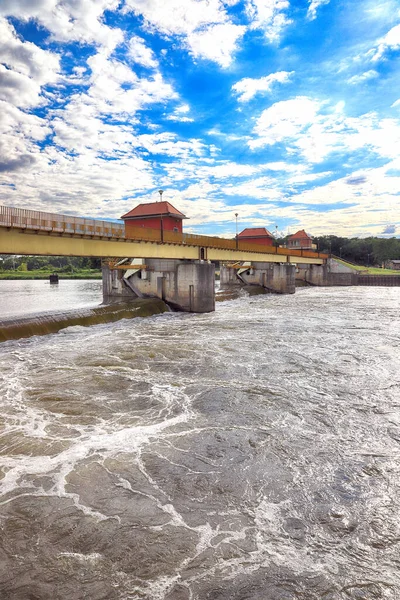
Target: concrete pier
x,y
276,277
185,285
330,274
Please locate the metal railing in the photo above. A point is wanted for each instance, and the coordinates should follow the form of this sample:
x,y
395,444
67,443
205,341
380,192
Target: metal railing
x,y
51,222
63,224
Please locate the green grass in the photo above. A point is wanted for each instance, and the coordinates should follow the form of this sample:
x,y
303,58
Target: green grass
x,y
368,270
26,275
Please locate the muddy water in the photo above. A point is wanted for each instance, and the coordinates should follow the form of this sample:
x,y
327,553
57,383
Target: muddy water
x,y
248,454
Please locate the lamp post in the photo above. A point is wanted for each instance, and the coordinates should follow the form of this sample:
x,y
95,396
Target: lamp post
x,y
368,255
340,251
161,220
237,239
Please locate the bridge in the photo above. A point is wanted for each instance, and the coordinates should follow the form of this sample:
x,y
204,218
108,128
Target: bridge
x,y
151,262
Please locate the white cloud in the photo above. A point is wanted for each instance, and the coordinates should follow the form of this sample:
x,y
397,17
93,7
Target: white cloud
x,y
203,25
390,41
180,114
24,68
26,58
217,43
286,119
366,76
313,7
371,205
229,169
178,17
69,20
268,15
247,88
302,126
18,89
20,133
116,89
169,144
140,53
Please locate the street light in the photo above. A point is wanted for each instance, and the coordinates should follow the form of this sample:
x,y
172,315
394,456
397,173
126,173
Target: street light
x,y
340,251
276,236
237,239
161,221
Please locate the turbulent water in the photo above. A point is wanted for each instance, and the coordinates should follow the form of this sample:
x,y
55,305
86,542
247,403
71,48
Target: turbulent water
x,y
248,454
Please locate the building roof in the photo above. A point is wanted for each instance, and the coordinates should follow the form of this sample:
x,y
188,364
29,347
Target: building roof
x,y
396,262
299,234
154,209
255,232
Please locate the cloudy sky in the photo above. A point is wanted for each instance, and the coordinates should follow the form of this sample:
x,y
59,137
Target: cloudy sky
x,y
286,112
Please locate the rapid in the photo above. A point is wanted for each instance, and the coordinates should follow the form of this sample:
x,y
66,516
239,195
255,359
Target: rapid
x,y
248,454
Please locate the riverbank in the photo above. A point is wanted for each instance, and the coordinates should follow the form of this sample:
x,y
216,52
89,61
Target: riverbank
x,y
30,275
367,270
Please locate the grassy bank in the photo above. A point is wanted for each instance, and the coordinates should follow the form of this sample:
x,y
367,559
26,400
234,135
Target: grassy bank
x,y
27,275
368,270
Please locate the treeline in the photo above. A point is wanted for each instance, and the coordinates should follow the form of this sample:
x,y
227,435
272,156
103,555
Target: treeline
x,y
366,251
58,264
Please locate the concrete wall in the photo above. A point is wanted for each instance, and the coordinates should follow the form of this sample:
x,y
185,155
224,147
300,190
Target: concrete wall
x,y
317,275
337,267
114,286
342,279
228,276
379,280
187,286
279,278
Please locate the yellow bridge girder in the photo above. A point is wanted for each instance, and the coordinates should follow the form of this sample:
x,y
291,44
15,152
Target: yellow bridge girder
x,y
26,242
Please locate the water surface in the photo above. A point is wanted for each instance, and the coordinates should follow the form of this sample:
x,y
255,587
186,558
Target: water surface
x,y
252,453
23,298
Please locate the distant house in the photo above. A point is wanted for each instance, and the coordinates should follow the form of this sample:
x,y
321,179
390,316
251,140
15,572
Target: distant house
x,y
154,215
300,241
394,264
257,235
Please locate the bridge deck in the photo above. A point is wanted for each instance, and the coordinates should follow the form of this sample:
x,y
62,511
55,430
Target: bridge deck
x,y
30,232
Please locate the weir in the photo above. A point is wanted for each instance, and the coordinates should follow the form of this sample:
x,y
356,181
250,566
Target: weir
x,y
168,264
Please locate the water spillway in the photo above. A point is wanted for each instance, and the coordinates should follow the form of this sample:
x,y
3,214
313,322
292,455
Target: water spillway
x,y
12,329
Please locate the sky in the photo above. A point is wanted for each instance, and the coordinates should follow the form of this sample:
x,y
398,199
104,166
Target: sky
x,y
286,112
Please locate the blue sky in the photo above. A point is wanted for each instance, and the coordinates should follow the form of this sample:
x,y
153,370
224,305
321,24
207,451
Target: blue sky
x,y
284,111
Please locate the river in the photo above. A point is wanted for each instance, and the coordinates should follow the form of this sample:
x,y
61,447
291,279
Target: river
x,y
247,454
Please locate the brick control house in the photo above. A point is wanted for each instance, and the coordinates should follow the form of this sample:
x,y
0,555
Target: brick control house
x,y
154,215
257,235
394,264
300,241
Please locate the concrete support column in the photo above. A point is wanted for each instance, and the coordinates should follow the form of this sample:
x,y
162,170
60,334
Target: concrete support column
x,y
185,285
228,276
276,277
113,285
317,275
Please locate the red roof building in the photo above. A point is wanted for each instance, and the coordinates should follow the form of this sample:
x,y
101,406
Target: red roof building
x,y
154,215
257,235
300,240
